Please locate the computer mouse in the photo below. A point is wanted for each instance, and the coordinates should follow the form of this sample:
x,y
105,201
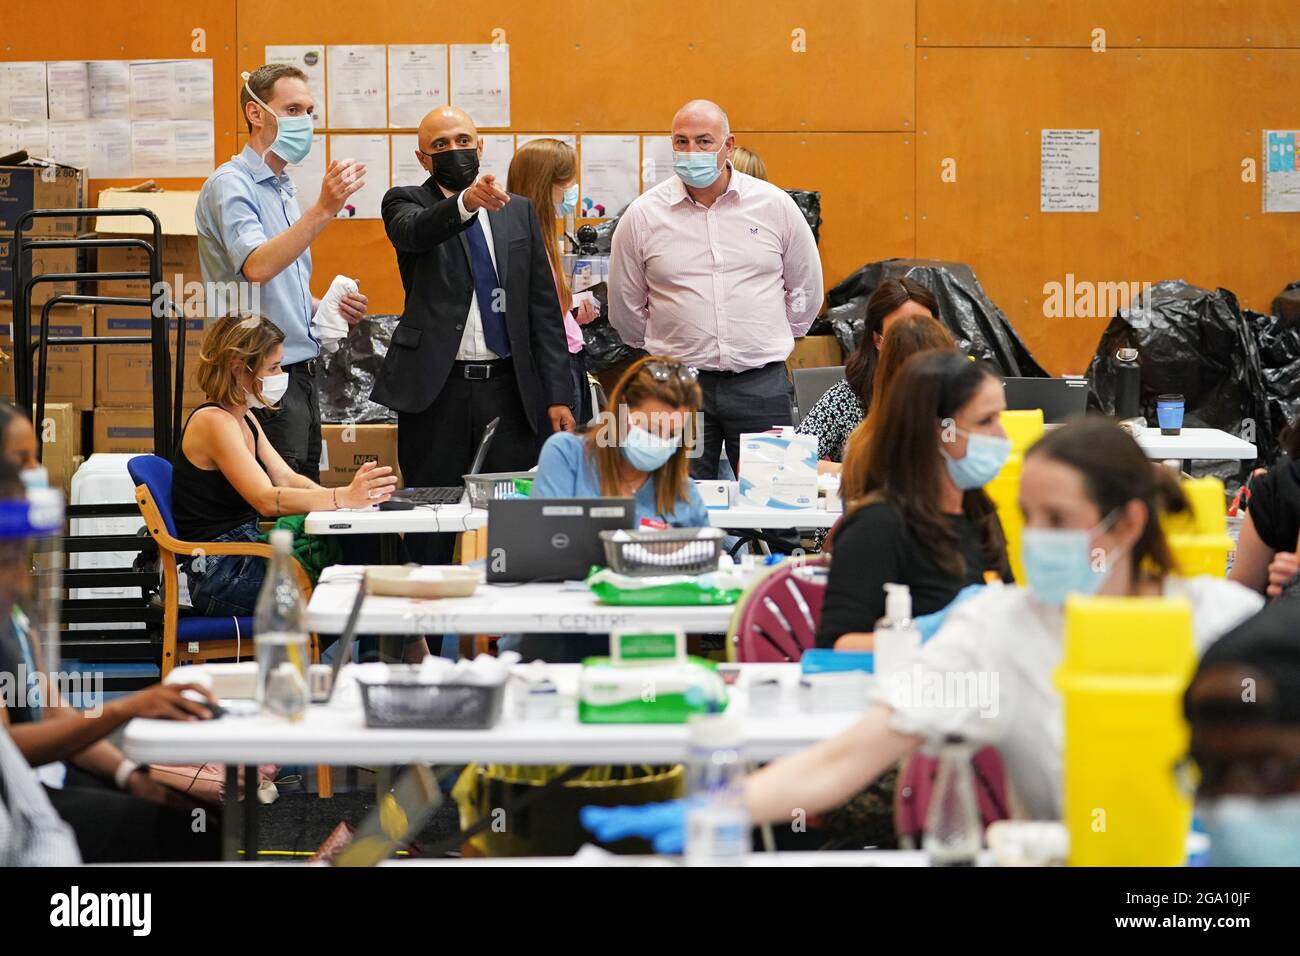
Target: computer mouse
x,y
213,707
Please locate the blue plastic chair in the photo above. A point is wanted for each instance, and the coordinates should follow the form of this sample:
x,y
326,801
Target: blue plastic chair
x,y
189,637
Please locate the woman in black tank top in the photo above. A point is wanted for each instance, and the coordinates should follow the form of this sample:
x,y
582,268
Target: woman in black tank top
x,y
225,474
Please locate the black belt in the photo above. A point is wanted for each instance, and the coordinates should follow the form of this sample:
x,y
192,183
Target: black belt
x,y
307,368
481,371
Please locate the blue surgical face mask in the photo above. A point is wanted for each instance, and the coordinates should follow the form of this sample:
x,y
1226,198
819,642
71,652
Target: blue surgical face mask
x,y
1253,831
646,451
696,169
569,203
985,456
292,133
1060,561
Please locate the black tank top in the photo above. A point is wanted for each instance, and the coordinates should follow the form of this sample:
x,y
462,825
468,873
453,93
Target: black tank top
x,y
205,505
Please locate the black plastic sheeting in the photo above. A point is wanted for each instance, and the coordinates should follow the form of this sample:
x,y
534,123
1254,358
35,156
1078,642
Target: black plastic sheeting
x,y
980,327
349,374
1199,344
605,348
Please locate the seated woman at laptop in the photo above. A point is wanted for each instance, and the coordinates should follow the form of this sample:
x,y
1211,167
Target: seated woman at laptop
x,y
636,449
834,416
225,473
915,508
1266,553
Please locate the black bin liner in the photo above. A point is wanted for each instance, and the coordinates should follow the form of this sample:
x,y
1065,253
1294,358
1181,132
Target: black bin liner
x,y
349,374
980,327
1278,340
605,348
1199,344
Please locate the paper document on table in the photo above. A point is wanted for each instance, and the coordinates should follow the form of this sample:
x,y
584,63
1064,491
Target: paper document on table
x,y
358,87
310,58
610,174
417,81
372,150
171,90
1070,170
68,88
480,82
171,148
22,91
110,89
308,174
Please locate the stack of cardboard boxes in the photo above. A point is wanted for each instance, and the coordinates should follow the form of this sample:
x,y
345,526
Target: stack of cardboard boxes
x,y
124,373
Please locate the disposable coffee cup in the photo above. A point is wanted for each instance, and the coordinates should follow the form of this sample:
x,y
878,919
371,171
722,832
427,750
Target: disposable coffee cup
x,y
1169,414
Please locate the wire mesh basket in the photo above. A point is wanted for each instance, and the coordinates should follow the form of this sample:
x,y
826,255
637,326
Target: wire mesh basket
x,y
675,551
501,484
404,702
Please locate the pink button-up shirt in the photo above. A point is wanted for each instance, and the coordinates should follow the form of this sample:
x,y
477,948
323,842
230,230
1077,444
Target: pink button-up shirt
x,y
726,287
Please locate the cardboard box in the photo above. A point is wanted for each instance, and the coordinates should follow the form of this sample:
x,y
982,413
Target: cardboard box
x,y
123,431
180,247
70,369
41,184
61,452
345,448
124,373
816,351
43,261
778,469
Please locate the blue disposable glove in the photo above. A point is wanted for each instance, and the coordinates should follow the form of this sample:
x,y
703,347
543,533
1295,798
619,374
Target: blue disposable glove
x,y
663,824
927,624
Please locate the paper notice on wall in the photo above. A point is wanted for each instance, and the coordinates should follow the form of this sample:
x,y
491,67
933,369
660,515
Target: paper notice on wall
x,y
611,174
480,82
498,151
1070,171
568,138
22,91
171,89
308,174
101,147
68,88
171,148
372,150
656,160
1281,170
406,168
310,58
32,136
417,82
110,89
358,88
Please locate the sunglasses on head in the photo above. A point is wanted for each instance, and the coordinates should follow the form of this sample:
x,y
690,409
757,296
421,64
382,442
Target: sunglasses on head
x,y
663,371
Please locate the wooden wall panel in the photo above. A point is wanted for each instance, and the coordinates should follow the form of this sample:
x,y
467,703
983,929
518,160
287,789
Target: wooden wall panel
x,y
1175,127
622,66
1245,24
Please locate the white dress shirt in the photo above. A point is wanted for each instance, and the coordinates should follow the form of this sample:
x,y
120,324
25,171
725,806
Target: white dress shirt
x,y
725,287
473,345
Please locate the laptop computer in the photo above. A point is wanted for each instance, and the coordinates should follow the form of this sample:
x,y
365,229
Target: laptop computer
x,y
551,539
1060,398
404,499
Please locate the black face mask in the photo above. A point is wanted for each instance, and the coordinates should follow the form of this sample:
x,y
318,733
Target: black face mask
x,y
455,169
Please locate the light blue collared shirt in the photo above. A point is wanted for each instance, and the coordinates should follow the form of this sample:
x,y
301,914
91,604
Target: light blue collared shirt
x,y
242,205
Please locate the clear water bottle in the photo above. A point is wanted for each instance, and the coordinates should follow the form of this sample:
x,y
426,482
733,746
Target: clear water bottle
x,y
280,635
953,828
717,821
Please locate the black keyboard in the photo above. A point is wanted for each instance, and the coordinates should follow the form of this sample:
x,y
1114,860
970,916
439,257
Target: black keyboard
x,y
430,496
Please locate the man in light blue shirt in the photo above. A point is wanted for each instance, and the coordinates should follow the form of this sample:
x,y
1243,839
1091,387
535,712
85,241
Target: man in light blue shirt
x,y
255,246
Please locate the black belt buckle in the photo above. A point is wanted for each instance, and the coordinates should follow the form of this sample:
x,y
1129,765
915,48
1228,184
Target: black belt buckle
x,y
476,372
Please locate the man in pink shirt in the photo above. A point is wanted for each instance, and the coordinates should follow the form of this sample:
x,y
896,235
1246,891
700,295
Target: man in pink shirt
x,y
719,270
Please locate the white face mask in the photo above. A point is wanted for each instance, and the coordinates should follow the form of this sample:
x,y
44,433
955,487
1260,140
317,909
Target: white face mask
x,y
273,389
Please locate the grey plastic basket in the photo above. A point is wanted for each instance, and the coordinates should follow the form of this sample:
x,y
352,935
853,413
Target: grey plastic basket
x,y
403,702
485,488
675,551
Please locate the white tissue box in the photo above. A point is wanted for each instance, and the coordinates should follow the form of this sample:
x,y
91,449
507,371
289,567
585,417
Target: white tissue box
x,y
778,469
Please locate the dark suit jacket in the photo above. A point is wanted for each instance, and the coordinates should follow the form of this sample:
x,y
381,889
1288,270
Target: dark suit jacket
x,y
433,258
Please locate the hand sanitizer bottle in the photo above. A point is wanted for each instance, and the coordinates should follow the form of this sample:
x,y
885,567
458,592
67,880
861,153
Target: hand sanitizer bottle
x,y
896,635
